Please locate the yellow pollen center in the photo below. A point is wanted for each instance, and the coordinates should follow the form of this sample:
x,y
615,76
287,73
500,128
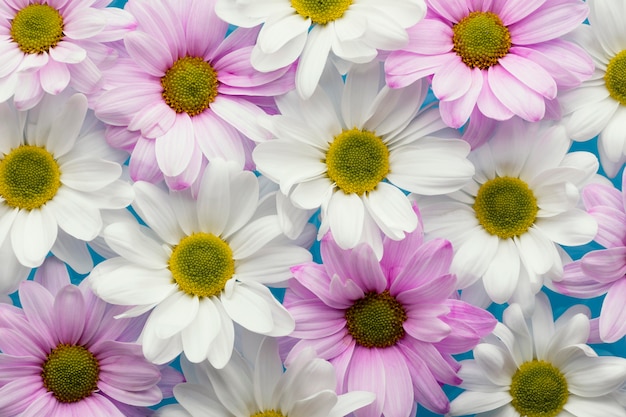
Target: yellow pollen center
x,y
36,28
71,373
321,11
505,207
539,389
615,77
201,264
29,177
357,161
480,39
268,413
190,85
375,321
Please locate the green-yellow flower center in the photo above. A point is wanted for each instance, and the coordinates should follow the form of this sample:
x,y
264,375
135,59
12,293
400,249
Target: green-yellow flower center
x,y
538,389
480,39
505,207
375,321
357,161
321,11
71,373
268,413
190,85
201,264
615,77
36,28
29,177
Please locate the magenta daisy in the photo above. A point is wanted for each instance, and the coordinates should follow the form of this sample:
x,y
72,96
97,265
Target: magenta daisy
x,y
186,93
64,354
603,271
48,45
503,58
388,327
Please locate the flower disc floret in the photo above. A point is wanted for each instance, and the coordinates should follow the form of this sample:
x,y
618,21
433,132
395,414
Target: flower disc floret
x,y
29,177
615,77
71,373
375,321
357,161
201,264
321,11
190,85
505,207
480,39
36,28
539,389
268,413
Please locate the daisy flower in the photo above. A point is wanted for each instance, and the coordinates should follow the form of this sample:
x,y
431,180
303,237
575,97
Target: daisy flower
x,y
597,107
502,58
313,31
352,147
200,267
538,367
48,45
390,326
64,354
56,175
185,91
602,271
506,223
305,389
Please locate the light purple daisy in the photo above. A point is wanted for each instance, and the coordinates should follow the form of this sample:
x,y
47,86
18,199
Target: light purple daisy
x,y
48,45
185,92
501,58
64,354
390,326
603,271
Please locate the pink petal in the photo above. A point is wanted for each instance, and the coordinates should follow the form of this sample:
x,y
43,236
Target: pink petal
x,y
399,399
142,164
154,120
515,10
517,97
606,265
611,230
452,10
403,68
148,53
530,73
452,80
367,373
613,314
488,103
576,283
456,112
555,19
69,315
429,37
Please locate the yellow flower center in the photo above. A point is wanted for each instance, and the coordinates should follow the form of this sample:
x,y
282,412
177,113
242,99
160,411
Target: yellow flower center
x,y
71,373
29,177
480,39
36,28
268,413
321,11
357,161
190,85
615,77
505,207
539,389
375,321
201,264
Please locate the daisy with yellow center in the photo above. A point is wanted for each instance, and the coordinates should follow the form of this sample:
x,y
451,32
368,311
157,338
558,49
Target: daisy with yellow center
x,y
507,223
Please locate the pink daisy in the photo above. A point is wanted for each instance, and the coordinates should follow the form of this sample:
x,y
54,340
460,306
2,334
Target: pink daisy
x,y
48,45
64,354
389,327
603,271
185,91
501,58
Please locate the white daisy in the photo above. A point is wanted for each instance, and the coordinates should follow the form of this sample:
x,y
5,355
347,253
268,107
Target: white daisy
x,y
539,368
352,30
505,224
598,106
305,389
56,175
201,266
352,147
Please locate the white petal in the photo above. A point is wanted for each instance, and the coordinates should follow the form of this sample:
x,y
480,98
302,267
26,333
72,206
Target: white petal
x,y
247,308
152,205
32,235
345,215
128,240
173,314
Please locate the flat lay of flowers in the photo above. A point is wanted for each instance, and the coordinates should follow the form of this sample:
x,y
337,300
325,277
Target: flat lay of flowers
x,y
312,208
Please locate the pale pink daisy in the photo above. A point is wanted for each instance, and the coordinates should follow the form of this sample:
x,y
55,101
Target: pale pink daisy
x,y
501,58
49,45
185,92
64,354
603,271
390,326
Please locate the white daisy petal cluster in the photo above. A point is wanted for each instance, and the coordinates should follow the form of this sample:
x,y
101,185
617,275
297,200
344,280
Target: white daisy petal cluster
x,y
201,266
538,367
344,31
